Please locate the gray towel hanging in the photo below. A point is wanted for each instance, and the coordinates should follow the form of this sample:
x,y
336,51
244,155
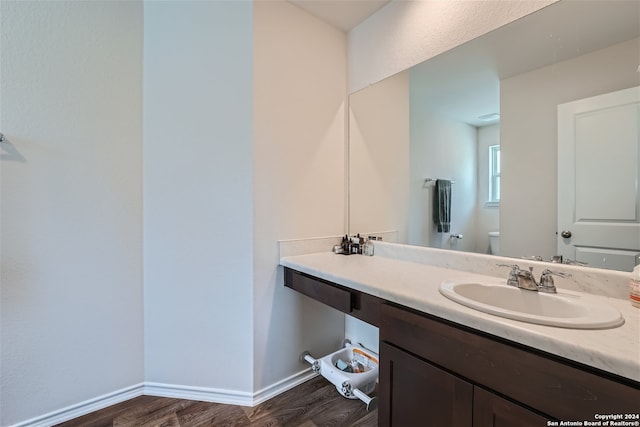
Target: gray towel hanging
x,y
442,205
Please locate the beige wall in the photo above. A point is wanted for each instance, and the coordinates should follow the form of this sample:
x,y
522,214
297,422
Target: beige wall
x,y
299,86
379,156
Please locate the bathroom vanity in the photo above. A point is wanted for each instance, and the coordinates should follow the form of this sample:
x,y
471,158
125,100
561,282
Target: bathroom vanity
x,y
444,364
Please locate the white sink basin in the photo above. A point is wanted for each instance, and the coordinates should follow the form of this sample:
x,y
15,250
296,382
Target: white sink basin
x,y
566,311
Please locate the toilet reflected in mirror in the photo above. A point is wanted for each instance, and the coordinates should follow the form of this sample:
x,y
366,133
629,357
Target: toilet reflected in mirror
x,y
494,242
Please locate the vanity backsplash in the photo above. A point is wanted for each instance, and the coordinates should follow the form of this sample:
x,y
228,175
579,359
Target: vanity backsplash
x,y
608,283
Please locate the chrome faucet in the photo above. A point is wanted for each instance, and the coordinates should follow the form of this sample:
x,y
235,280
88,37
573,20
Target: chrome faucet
x,y
524,279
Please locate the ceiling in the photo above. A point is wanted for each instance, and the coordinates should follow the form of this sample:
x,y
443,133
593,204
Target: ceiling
x,y
342,14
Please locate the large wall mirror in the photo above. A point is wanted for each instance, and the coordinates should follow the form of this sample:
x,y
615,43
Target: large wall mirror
x,y
485,116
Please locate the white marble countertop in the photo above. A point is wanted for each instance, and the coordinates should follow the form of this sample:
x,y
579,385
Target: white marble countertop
x,y
416,285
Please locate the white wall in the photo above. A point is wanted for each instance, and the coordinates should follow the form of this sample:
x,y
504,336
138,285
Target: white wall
x,y
442,148
378,157
71,313
72,301
405,33
298,177
487,217
528,139
198,208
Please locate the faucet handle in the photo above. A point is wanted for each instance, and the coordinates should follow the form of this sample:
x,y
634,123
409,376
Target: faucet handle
x,y
548,273
512,266
546,280
513,274
574,262
515,268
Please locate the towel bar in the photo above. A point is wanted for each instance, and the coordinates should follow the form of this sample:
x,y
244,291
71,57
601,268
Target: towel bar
x,y
427,180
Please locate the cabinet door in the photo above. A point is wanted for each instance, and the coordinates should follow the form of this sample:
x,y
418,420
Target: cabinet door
x,y
416,393
490,410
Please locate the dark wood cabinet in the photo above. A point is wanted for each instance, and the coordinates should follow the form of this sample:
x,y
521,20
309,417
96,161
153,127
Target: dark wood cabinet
x,y
416,393
435,372
512,385
490,410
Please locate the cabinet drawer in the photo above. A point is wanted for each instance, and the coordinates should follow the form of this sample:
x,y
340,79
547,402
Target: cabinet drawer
x,y
541,381
367,308
352,302
325,292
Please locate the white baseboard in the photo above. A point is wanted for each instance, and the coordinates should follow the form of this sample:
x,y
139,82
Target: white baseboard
x,y
230,397
83,408
282,386
205,394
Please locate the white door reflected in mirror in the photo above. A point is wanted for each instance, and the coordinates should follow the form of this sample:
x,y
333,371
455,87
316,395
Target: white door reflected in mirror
x,y
598,195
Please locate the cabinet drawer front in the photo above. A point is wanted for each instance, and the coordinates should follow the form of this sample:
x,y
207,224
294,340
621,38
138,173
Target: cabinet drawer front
x,y
324,292
542,382
367,308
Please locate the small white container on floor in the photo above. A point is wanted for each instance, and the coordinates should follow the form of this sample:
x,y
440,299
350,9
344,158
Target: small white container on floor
x,y
355,384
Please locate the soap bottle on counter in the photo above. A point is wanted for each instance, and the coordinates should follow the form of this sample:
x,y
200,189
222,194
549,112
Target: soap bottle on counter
x,y
356,247
634,286
368,247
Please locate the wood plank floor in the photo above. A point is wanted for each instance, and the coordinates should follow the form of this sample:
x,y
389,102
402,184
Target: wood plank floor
x,y
315,403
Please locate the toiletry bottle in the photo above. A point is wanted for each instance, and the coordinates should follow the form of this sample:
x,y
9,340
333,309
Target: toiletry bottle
x,y
368,247
345,246
355,244
634,286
